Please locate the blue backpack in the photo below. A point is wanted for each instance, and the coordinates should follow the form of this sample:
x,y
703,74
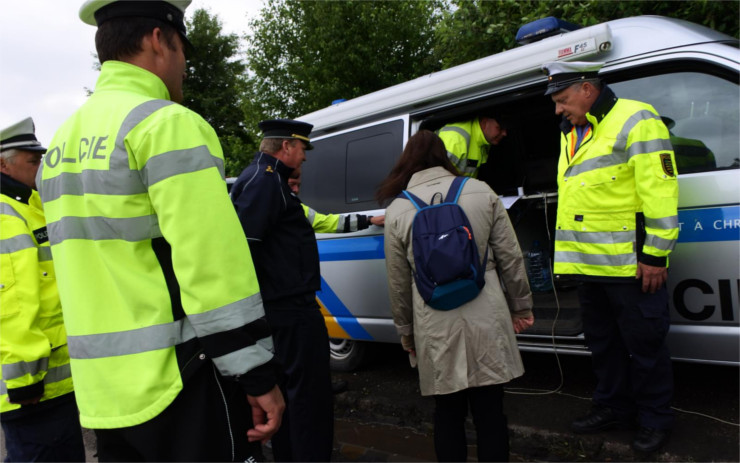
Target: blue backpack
x,y
448,270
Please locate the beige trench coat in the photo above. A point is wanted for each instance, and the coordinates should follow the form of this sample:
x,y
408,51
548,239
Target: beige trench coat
x,y
474,344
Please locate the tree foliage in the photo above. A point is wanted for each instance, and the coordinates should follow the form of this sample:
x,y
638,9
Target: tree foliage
x,y
215,87
305,54
473,29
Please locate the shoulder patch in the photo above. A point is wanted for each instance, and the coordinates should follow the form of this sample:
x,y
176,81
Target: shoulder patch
x,y
665,161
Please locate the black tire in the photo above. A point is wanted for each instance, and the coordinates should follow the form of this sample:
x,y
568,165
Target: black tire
x,y
346,354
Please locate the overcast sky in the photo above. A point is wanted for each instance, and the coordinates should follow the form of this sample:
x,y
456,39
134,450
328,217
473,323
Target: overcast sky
x,y
46,56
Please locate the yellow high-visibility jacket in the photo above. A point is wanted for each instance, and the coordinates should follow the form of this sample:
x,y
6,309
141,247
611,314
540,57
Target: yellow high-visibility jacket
x,y
466,146
33,343
154,271
617,192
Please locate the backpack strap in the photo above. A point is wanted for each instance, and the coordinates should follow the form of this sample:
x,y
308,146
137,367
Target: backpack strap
x,y
455,189
415,200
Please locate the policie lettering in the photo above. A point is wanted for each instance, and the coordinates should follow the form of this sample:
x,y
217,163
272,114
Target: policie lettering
x,y
725,299
88,149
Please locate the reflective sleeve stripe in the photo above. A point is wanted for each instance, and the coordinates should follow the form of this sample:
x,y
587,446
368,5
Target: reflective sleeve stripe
x,y
254,355
458,130
53,375
649,146
659,243
16,243
663,223
310,214
172,163
44,254
596,237
572,257
166,335
20,369
119,156
619,155
7,209
104,228
353,222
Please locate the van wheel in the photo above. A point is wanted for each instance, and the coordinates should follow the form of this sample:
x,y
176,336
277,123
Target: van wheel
x,y
345,354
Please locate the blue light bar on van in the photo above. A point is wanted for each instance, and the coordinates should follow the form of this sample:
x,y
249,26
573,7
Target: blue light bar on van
x,y
545,27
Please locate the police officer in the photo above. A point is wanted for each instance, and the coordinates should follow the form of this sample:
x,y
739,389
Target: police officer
x,y
286,258
166,329
468,142
616,226
332,223
37,406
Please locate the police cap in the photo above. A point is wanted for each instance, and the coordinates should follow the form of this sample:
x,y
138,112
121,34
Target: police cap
x,y
562,74
172,12
287,128
20,136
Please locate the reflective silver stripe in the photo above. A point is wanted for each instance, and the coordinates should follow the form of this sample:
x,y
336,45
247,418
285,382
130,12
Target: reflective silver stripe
x,y
311,215
44,253
624,133
663,223
596,237
178,162
104,228
157,337
21,369
16,243
94,346
649,146
457,130
228,317
452,156
101,182
119,156
659,243
353,222
618,154
7,209
606,260
251,356
54,375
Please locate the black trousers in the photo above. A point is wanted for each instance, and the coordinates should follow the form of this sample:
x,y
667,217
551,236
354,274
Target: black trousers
x,y
486,404
302,347
208,421
52,434
625,330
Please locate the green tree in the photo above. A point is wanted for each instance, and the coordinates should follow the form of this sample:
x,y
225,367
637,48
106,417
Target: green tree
x,y
305,54
473,29
215,87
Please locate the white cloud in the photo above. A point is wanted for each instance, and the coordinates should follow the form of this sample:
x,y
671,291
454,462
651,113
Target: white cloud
x,y
46,56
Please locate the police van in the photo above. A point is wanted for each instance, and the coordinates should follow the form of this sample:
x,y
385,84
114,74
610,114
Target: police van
x,y
689,73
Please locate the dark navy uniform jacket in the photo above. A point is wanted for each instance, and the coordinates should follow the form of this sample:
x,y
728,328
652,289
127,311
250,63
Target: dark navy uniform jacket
x,y
281,240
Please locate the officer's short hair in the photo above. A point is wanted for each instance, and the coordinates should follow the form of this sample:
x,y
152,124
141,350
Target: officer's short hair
x,y
273,145
120,38
7,154
595,82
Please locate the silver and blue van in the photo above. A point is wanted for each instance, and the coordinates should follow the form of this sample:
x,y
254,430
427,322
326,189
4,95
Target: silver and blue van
x,y
689,73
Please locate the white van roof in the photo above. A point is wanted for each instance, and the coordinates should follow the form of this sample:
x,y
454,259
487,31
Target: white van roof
x,y
609,41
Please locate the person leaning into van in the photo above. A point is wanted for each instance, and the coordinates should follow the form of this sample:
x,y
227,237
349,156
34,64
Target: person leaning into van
x,y
286,258
466,354
468,142
616,225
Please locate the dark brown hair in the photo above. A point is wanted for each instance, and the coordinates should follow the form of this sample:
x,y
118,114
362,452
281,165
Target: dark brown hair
x,y
423,150
120,38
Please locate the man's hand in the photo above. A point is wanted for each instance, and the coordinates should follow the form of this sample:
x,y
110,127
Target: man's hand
x,y
522,323
267,414
652,277
378,220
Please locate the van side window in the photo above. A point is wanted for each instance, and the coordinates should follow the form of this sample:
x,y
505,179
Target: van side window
x,y
702,113
343,171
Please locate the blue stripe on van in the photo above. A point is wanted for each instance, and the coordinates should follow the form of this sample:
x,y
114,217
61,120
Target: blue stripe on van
x,y
341,313
710,224
360,248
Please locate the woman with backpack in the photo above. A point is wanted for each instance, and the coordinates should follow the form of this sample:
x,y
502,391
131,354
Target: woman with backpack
x,y
466,352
